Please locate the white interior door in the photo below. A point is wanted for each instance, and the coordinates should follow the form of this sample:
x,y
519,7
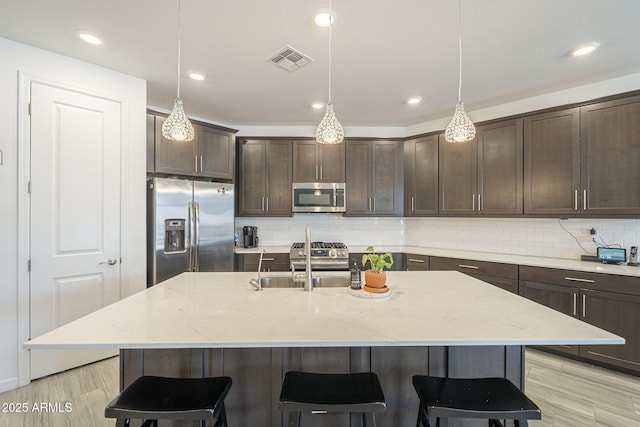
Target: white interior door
x,y
75,215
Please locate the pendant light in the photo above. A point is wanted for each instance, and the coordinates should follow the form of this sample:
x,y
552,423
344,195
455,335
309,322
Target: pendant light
x,y
329,130
460,128
177,126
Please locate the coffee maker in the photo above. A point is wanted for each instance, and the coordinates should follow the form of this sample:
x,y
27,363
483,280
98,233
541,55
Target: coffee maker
x,y
250,236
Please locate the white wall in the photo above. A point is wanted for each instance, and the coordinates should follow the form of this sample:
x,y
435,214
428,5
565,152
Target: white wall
x,y
36,62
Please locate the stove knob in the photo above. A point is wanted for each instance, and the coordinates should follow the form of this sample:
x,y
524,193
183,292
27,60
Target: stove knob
x,y
343,253
301,253
332,252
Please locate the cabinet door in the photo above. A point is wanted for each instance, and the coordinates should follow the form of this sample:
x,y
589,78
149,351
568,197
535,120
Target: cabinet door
x,y
500,168
618,314
174,157
611,157
458,177
332,162
216,151
278,178
552,163
386,178
151,143
357,173
251,177
421,176
415,262
305,163
560,298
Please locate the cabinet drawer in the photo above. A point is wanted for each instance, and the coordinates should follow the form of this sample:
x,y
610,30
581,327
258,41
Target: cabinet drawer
x,y
580,279
270,262
415,262
485,268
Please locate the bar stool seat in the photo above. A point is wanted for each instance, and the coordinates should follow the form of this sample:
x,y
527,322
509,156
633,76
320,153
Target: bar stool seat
x,y
324,393
489,398
160,398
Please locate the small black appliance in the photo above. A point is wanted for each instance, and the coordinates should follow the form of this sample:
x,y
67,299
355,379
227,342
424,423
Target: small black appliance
x,y
250,236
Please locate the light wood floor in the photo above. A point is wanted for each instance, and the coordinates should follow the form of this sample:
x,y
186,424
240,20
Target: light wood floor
x,y
570,394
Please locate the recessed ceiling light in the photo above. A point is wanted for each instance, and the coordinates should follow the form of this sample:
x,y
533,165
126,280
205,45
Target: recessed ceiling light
x,y
90,38
585,49
324,17
196,75
414,100
317,105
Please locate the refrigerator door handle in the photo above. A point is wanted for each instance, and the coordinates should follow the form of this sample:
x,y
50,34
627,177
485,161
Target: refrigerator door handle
x,y
196,257
191,237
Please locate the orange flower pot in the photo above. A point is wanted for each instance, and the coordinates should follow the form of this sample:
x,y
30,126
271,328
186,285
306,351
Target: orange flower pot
x,y
375,279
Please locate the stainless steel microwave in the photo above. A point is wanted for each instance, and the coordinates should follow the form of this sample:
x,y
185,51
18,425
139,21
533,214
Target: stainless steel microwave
x,y
318,197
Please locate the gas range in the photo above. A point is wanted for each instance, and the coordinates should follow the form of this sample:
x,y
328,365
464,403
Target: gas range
x,y
324,256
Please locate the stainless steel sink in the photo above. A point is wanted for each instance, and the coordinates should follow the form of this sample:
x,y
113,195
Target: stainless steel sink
x,y
318,282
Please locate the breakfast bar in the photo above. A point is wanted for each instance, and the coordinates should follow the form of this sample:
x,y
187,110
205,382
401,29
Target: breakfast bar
x,y
207,324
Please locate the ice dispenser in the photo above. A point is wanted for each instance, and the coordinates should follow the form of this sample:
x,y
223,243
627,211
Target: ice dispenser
x,y
174,235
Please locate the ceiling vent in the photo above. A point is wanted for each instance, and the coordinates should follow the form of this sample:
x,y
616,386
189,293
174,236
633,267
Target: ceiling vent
x,y
290,59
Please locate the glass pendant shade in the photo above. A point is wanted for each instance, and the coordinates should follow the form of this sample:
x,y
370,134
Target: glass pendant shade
x,y
460,128
177,126
329,130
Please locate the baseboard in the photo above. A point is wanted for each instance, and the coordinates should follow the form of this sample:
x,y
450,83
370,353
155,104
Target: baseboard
x,y
8,384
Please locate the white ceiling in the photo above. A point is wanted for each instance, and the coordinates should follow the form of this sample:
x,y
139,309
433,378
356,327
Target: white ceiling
x,y
383,52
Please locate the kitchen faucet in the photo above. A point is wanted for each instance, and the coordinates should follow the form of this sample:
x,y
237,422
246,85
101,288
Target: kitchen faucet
x,y
258,284
308,284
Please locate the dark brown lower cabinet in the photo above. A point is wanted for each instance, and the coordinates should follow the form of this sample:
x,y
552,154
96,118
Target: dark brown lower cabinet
x,y
415,262
616,313
610,302
270,262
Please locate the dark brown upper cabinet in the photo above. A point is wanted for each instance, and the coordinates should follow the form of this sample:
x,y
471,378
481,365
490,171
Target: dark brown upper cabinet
x,y
313,162
483,176
610,157
264,177
552,163
210,154
374,178
421,176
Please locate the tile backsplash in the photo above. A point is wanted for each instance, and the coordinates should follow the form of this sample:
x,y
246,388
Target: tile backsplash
x,y
520,236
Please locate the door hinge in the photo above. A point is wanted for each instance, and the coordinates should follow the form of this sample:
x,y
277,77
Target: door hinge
x,y
29,266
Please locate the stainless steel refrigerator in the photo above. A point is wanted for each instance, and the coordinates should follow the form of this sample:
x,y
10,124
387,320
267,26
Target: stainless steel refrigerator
x,y
189,227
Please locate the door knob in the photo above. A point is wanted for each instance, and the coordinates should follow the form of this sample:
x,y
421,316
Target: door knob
x,y
110,261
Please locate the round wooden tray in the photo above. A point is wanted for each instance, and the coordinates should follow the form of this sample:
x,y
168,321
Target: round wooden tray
x,y
361,293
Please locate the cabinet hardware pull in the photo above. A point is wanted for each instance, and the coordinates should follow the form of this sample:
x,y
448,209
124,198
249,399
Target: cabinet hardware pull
x,y
473,202
370,204
268,259
575,304
584,199
413,204
200,163
473,267
321,177
267,203
374,203
316,172
576,279
575,200
479,203
262,208
584,306
195,163
416,260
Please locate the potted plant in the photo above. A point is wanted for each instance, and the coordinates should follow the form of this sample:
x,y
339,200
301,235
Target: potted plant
x,y
375,277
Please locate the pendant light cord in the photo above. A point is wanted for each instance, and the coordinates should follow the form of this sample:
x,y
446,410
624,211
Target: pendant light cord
x,y
459,51
179,1
330,34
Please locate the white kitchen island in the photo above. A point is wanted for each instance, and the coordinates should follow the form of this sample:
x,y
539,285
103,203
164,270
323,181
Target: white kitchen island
x,y
436,322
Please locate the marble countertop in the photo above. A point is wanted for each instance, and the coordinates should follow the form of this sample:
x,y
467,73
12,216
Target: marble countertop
x,y
533,261
221,310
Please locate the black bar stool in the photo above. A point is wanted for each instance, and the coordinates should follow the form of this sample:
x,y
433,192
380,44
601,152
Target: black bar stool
x,y
489,398
159,398
324,393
